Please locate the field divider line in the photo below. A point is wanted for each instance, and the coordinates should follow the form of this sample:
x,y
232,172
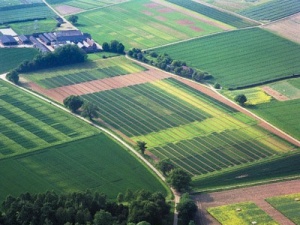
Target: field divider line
x,y
112,135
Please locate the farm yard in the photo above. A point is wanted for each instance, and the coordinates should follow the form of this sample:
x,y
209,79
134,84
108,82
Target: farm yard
x,y
92,70
272,10
12,57
142,24
288,205
239,58
96,163
241,213
214,13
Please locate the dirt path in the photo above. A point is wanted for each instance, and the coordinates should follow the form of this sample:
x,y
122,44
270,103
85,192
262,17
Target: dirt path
x,y
255,194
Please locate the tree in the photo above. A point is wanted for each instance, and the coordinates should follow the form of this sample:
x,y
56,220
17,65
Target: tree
x,y
73,102
141,146
217,86
241,99
120,197
179,179
73,19
120,48
13,76
165,166
90,110
114,46
143,223
186,209
103,218
105,47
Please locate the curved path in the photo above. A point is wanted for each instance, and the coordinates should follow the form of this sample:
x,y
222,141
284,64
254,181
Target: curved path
x,y
115,137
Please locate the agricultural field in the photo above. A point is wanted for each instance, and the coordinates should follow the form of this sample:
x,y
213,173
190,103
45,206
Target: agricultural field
x,y
30,27
273,10
83,4
239,58
142,24
241,213
92,70
235,5
10,58
25,12
214,13
6,3
287,28
288,205
28,124
196,132
96,163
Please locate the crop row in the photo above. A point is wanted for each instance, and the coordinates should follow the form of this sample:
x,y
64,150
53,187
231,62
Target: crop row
x,y
213,13
240,58
273,10
80,77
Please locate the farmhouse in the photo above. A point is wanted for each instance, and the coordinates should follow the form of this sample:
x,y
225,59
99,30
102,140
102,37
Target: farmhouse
x,y
8,40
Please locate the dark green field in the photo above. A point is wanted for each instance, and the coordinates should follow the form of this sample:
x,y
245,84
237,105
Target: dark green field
x,y
96,163
12,57
240,58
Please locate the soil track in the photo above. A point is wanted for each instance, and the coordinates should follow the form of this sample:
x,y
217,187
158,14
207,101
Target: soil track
x,y
255,194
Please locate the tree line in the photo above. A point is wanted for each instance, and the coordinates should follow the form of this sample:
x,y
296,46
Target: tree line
x,y
85,208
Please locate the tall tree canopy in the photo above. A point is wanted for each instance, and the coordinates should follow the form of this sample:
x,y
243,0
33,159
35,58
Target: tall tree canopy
x,y
73,102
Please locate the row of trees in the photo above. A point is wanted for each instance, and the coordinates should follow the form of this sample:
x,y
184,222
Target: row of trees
x,y
114,46
74,103
165,62
84,208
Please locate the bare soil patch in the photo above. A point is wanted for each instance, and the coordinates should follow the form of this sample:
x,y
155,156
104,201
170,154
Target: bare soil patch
x,y
160,18
256,194
184,22
151,5
195,28
147,13
275,94
165,10
66,9
288,28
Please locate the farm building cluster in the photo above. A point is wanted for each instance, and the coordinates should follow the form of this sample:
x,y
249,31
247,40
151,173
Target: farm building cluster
x,y
46,42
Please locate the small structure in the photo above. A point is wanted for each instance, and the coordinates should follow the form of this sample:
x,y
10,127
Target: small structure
x,y
39,45
8,40
24,40
44,39
70,35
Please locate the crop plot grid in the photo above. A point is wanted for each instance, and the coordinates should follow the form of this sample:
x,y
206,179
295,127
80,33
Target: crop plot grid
x,y
193,130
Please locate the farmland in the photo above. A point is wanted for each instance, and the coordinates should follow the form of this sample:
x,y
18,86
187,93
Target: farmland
x,y
272,10
96,163
12,57
39,26
28,124
194,131
24,12
222,16
241,213
239,58
288,205
92,70
142,24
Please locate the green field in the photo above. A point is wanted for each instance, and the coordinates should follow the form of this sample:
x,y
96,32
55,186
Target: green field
x,y
28,124
240,58
288,205
91,70
283,115
142,24
10,58
96,163
194,131
18,13
214,13
289,88
241,213
84,4
284,166
273,10
5,3
30,27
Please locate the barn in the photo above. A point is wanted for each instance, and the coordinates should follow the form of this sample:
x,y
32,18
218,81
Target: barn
x,y
8,40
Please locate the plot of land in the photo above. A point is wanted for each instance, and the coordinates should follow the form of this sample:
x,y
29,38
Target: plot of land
x,y
10,58
241,213
214,13
256,194
287,28
272,10
240,58
288,205
28,124
96,163
137,25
